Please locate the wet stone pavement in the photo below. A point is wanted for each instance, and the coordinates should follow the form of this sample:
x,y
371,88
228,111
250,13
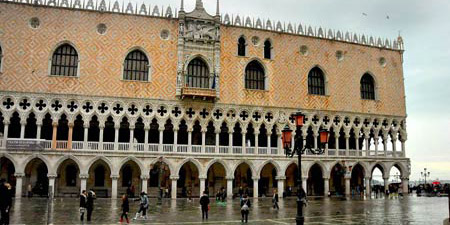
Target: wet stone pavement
x,y
409,210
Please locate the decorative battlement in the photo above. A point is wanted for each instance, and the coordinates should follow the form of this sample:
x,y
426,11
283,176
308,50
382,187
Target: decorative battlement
x,y
237,21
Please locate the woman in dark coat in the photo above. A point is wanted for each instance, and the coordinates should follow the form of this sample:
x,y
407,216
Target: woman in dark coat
x,y
82,205
245,208
90,204
125,209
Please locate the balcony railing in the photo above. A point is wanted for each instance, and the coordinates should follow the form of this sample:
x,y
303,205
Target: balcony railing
x,y
34,144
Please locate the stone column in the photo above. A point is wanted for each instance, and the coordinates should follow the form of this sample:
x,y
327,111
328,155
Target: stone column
x,y
255,187
405,185
55,130
19,184
229,188
83,182
189,140
146,129
132,144
385,145
174,187
230,141
368,188
69,140
51,184
366,139
336,137
280,181
161,138
5,132
86,135
403,147
347,186
315,134
326,183
144,180
304,184
376,138
394,146
202,185
116,136
280,144
243,142
100,144
38,130
269,142
203,141
23,123
347,144
386,183
175,139
256,141
114,179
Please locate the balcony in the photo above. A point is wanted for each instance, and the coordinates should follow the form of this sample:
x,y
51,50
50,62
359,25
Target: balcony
x,y
43,145
200,93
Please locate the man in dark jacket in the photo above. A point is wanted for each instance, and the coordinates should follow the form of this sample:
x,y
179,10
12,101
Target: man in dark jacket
x,y
90,204
5,202
275,199
204,202
245,208
82,204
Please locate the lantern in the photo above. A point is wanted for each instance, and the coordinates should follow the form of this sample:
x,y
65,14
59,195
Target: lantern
x,y
323,136
299,118
287,137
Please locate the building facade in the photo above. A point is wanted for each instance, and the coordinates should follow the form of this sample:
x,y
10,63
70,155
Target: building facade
x,y
114,97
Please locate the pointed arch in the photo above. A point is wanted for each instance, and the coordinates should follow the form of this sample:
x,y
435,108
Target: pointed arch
x,y
250,165
166,161
322,167
31,158
255,75
270,161
316,81
368,87
132,159
77,161
242,46
64,60
220,161
100,158
193,161
136,65
198,73
268,49
13,161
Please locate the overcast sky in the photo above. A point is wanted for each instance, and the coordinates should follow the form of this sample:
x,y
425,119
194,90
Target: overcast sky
x,y
426,33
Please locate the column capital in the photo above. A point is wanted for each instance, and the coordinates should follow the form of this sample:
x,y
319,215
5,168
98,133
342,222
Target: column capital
x,y
161,129
174,177
202,178
131,127
52,176
19,175
256,178
115,176
55,124
6,122
70,124
145,177
84,176
229,178
280,178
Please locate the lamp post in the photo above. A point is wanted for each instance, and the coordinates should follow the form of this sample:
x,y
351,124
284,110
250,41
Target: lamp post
x,y
425,174
297,149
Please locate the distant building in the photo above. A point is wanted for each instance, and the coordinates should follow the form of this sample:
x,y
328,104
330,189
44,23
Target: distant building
x,y
114,97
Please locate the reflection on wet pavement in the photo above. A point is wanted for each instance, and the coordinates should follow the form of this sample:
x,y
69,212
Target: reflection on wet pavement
x,y
410,210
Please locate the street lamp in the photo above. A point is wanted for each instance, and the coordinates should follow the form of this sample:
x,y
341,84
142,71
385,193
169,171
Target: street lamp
x,y
425,174
290,152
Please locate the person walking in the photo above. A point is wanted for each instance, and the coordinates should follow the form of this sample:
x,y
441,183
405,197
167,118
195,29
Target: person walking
x,y
245,208
125,208
204,202
241,192
143,206
90,204
82,205
275,199
5,202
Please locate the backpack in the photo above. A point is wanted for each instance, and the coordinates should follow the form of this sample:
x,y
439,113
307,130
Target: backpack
x,y
245,206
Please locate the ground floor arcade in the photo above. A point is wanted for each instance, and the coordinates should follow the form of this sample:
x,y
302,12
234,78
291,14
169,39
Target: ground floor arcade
x,y
66,174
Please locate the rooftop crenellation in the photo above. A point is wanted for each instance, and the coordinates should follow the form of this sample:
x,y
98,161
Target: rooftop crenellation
x,y
226,19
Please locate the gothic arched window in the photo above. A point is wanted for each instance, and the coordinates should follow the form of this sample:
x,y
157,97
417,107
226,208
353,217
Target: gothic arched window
x,y
367,87
316,82
267,49
136,66
65,61
255,76
241,46
197,74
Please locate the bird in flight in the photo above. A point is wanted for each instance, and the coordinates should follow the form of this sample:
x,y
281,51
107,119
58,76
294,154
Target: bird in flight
x,y
364,14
